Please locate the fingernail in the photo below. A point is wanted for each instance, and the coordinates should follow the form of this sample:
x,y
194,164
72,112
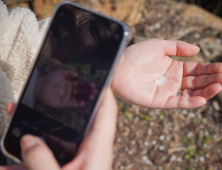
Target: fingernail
x,y
27,142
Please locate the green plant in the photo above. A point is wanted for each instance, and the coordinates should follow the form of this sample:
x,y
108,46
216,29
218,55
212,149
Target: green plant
x,y
187,141
189,153
146,118
128,115
120,106
160,115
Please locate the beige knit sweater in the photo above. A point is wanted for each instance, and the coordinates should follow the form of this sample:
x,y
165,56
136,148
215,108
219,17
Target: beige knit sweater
x,y
20,37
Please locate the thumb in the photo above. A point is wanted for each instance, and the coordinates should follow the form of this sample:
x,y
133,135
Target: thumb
x,y
36,155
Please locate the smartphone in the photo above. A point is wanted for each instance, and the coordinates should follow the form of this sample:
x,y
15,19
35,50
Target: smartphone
x,y
72,70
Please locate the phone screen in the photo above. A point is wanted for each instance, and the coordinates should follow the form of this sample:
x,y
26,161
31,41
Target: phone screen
x,y
72,67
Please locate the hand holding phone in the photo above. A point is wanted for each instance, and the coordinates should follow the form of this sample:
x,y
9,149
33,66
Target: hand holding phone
x,y
96,146
73,69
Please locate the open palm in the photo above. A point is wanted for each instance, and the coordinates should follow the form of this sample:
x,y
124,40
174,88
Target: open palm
x,y
143,63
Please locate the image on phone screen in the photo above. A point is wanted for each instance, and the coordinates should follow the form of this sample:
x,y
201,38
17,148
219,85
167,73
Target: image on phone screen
x,y
71,69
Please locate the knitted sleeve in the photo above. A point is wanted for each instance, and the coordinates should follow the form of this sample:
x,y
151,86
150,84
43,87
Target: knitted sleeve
x,y
20,37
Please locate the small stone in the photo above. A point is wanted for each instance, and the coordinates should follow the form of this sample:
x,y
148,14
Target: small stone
x,y
121,167
130,152
154,142
197,36
118,140
146,143
161,148
191,114
179,159
190,134
133,142
173,158
159,15
129,166
157,25
168,138
207,155
205,146
219,41
162,137
160,168
160,81
215,168
216,105
150,29
202,159
184,112
146,160
215,136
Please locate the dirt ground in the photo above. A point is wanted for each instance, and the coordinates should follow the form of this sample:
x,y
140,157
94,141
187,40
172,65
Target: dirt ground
x,y
173,139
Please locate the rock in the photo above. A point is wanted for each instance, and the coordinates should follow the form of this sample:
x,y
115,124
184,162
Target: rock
x,y
128,10
44,8
210,47
209,19
216,105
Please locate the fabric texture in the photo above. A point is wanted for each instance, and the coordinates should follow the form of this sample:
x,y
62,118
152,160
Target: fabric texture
x,y
20,38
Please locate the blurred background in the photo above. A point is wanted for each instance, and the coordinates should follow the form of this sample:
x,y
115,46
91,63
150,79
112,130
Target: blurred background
x,y
163,139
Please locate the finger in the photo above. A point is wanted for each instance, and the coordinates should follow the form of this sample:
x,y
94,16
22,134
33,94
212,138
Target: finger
x,y
36,155
9,108
199,82
208,92
98,144
179,48
16,167
196,69
184,102
69,74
